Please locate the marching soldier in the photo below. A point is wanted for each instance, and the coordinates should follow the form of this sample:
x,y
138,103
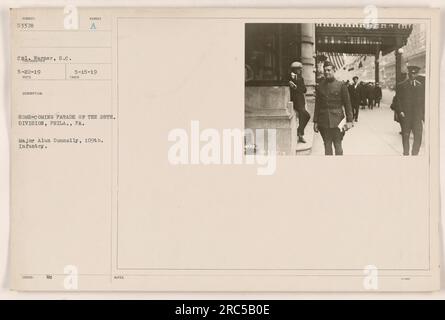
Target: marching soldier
x,y
297,91
331,104
410,108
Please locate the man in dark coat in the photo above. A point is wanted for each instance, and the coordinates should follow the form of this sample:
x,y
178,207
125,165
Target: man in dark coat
x,y
370,95
297,90
410,107
377,94
394,103
355,96
393,108
363,99
331,104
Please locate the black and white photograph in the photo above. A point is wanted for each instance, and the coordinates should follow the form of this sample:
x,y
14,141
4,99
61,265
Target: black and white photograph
x,y
337,88
184,152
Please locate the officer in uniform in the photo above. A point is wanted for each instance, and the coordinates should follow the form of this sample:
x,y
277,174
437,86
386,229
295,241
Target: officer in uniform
x,y
297,90
410,108
331,104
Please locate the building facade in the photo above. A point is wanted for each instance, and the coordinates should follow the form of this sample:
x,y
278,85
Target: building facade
x,y
413,53
270,48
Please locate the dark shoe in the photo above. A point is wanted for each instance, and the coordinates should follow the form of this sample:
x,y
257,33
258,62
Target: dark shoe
x,y
301,139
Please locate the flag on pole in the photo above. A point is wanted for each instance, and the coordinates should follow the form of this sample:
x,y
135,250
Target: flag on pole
x,y
336,58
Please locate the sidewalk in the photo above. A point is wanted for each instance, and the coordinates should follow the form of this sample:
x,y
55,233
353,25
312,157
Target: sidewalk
x,y
305,148
375,133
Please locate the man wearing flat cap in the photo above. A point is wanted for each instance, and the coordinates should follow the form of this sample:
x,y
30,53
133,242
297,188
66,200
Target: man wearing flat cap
x,y
332,106
410,108
297,90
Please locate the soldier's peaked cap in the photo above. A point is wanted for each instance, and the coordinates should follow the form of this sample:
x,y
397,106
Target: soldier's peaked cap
x,y
412,69
328,63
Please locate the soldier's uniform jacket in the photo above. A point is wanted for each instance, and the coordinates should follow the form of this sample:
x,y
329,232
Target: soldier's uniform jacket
x,y
330,99
410,99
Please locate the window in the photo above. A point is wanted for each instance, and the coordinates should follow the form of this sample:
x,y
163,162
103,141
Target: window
x,y
270,49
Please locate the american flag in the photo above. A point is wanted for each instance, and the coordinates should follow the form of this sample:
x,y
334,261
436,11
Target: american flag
x,y
337,59
355,63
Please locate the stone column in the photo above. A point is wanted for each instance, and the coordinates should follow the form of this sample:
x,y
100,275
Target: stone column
x,y
377,67
307,55
398,65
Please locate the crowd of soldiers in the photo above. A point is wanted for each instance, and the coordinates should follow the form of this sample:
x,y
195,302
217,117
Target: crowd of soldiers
x,y
337,106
